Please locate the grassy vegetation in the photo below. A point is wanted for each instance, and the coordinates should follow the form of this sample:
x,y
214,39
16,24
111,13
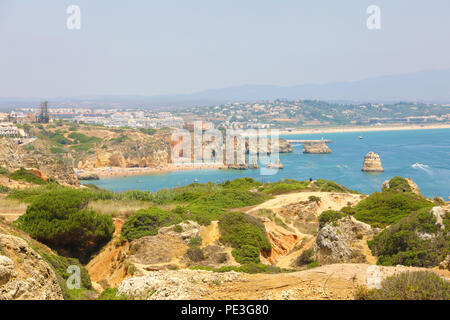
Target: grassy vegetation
x,y
246,268
147,223
118,208
330,216
284,186
419,285
60,220
111,294
383,208
399,184
330,186
245,234
290,185
26,175
413,241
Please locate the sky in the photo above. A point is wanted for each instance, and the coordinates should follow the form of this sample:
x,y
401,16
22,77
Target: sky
x,y
147,47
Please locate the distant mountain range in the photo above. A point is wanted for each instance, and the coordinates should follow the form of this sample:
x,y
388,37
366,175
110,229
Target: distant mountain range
x,y
426,86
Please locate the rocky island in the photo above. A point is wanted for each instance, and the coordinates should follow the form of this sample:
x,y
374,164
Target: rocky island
x,y
372,163
316,147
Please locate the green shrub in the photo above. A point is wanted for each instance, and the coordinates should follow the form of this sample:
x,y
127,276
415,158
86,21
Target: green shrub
x,y
314,199
147,223
313,264
195,241
330,216
27,175
245,268
418,285
331,186
195,254
178,228
242,232
241,183
284,186
399,184
306,257
111,294
384,208
401,244
60,220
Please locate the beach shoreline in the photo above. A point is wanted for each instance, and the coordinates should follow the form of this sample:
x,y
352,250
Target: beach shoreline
x,y
108,172
343,129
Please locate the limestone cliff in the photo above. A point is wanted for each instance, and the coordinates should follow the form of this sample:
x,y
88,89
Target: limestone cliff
x,y
14,156
136,151
316,147
344,241
24,275
372,163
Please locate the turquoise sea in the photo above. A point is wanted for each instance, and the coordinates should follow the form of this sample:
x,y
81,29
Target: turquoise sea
x,y
423,155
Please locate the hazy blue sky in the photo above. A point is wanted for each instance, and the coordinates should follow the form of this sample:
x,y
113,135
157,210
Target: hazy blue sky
x,y
151,47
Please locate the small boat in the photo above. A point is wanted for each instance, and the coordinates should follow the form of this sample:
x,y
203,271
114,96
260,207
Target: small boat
x,y
360,137
195,180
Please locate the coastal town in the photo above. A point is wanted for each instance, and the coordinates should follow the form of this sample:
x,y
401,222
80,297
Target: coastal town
x,y
279,114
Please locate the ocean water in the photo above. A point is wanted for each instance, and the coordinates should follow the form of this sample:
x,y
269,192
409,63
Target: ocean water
x,y
423,155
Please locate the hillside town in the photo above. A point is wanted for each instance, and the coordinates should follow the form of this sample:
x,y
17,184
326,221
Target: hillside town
x,y
280,114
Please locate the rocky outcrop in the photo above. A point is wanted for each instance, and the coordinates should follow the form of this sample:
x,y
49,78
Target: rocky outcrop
x,y
88,176
445,265
372,163
343,241
318,147
137,151
24,275
176,285
281,240
439,213
14,156
276,165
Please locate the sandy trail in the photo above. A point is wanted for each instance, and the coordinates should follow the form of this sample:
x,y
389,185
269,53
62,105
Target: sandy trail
x,y
329,200
337,281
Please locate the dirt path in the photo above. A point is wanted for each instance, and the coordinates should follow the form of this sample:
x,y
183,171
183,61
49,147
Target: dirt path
x,y
329,200
337,281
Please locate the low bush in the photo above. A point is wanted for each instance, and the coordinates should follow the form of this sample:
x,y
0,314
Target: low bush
x,y
27,175
383,208
399,184
60,220
111,294
195,254
330,216
418,285
147,222
245,234
413,241
306,257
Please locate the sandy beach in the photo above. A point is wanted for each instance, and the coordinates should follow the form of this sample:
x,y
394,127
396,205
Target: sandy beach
x,y
365,128
105,172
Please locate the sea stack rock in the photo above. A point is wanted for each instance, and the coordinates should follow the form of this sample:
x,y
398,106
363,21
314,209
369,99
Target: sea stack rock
x,y
372,163
316,147
276,165
254,164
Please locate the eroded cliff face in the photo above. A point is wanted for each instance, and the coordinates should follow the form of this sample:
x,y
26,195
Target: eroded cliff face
x,y
24,275
316,148
14,156
372,163
344,241
138,151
